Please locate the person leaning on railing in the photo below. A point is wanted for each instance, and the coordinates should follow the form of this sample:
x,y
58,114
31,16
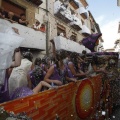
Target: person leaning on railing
x,y
2,13
23,20
36,26
42,28
11,17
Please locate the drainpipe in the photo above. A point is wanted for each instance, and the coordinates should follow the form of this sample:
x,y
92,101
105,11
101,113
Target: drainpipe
x,y
47,29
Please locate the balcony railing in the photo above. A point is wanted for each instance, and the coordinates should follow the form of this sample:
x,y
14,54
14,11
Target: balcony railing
x,y
36,2
62,12
74,3
83,12
62,43
33,39
76,23
85,30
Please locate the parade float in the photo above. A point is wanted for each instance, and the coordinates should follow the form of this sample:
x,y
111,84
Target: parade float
x,y
87,99
90,98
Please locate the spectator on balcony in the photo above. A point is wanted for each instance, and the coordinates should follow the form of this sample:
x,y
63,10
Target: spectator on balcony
x,y
36,26
62,34
2,13
23,20
11,17
42,28
18,77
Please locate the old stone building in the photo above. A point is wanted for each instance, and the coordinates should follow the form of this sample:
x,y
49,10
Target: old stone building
x,y
67,17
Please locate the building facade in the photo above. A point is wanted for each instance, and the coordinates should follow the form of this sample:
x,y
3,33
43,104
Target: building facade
x,y
67,18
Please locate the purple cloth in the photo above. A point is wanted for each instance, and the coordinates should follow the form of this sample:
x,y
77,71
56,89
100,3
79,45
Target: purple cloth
x,y
90,41
21,92
4,92
70,75
33,81
39,74
58,75
103,53
55,75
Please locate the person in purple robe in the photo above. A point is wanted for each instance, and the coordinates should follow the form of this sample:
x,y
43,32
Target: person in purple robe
x,y
57,73
35,76
35,84
72,67
26,91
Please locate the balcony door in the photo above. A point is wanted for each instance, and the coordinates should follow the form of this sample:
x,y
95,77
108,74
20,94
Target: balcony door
x,y
61,29
10,6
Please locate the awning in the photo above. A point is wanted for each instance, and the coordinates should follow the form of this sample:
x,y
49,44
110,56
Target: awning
x,y
91,41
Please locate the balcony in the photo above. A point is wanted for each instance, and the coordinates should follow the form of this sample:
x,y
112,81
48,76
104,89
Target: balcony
x,y
76,23
83,12
85,30
62,12
74,3
62,43
35,2
33,39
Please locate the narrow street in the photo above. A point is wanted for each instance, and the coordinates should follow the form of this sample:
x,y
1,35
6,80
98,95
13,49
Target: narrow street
x,y
59,60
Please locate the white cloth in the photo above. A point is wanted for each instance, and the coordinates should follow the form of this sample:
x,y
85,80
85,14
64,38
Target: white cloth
x,y
36,27
9,40
18,76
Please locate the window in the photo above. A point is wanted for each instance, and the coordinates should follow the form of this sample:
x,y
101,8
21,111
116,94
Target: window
x,y
74,4
73,36
10,6
72,11
61,29
82,22
92,26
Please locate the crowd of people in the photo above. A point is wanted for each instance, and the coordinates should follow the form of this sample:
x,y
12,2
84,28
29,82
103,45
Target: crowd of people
x,y
10,16
26,78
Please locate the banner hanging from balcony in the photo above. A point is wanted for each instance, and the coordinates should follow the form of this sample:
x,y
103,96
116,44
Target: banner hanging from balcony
x,y
91,41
